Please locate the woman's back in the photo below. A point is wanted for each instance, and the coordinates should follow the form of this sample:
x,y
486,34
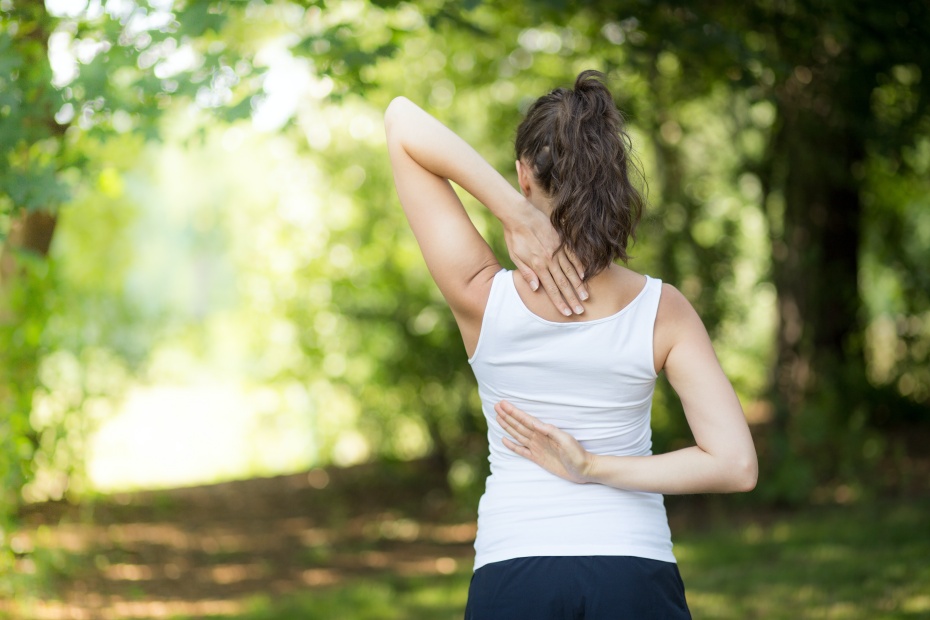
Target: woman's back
x,y
595,380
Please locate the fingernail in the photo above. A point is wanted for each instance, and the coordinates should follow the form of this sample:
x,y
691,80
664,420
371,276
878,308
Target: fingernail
x,y
534,285
567,312
578,309
584,296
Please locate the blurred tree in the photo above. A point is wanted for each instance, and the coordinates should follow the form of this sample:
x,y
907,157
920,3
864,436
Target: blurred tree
x,y
845,80
823,65
814,91
86,72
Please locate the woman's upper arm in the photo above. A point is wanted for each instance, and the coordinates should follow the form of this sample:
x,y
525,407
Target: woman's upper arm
x,y
458,258
711,406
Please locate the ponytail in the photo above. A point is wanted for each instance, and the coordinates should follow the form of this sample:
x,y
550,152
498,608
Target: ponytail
x,y
576,145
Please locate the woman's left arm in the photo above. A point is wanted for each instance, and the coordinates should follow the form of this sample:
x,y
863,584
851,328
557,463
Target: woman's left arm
x,y
689,470
724,459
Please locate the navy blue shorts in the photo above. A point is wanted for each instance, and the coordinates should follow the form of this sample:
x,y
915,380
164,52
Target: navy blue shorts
x,y
585,587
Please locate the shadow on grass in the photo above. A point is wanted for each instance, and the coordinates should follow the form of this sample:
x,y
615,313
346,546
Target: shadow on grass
x,y
228,548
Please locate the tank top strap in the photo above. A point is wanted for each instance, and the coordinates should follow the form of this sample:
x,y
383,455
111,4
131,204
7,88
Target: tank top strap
x,y
498,295
496,300
644,311
649,305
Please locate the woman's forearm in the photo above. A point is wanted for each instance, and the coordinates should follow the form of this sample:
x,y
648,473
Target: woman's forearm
x,y
438,149
689,470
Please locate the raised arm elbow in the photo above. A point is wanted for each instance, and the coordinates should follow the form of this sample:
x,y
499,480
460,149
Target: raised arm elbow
x,y
393,113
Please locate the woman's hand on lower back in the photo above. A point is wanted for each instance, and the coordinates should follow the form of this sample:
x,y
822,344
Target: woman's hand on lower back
x,y
549,447
534,248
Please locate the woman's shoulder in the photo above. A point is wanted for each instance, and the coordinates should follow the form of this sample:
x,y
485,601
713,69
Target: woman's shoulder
x,y
676,319
673,304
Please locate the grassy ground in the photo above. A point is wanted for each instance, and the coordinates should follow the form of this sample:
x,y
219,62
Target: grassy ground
x,y
856,562
376,544
864,561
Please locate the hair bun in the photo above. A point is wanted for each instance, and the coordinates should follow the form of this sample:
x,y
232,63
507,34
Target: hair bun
x,y
591,87
591,79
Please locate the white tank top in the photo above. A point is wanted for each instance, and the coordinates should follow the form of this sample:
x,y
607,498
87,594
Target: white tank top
x,y
594,380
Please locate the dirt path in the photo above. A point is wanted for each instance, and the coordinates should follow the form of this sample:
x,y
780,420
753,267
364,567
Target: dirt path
x,y
207,549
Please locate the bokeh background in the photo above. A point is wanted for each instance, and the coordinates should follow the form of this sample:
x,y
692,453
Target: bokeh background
x,y
228,386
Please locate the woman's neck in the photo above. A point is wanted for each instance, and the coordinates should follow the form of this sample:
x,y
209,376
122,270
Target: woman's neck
x,y
542,203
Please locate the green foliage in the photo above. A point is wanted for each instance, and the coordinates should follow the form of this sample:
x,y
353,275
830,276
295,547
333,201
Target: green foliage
x,y
20,342
708,92
110,76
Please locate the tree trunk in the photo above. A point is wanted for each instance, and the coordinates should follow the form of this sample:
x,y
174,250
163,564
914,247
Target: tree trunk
x,y
818,382
31,231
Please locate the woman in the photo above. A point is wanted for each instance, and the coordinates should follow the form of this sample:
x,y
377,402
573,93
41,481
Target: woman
x,y
572,523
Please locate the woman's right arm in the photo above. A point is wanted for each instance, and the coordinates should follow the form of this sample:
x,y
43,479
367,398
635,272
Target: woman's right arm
x,y
424,154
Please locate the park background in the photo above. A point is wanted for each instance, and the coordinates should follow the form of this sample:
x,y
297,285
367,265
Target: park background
x,y
228,386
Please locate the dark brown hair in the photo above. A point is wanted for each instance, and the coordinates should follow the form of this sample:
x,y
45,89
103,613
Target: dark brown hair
x,y
575,143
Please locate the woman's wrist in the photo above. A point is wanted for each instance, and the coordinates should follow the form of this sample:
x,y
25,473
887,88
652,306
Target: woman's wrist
x,y
517,213
589,471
